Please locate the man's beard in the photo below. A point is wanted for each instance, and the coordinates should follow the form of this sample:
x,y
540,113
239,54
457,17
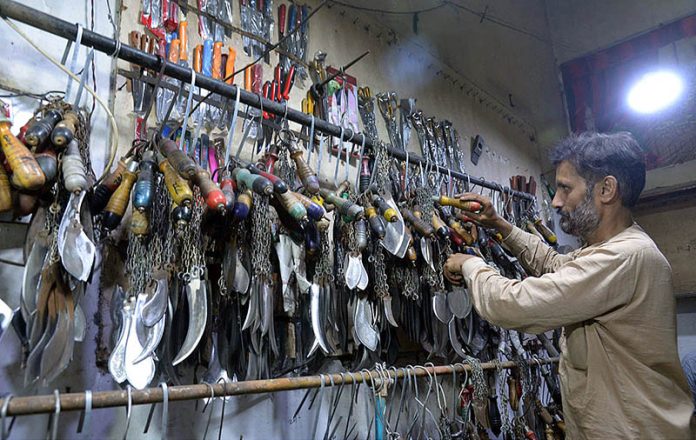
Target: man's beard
x,y
582,221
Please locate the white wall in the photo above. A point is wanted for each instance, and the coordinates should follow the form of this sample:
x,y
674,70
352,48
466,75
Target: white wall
x,y
255,417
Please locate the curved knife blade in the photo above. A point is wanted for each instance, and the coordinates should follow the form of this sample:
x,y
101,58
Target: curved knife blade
x,y
153,308
317,324
198,315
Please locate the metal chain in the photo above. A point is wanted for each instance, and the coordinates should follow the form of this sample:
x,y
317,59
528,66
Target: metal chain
x,y
136,263
285,167
506,426
381,285
477,380
261,237
190,243
324,271
367,114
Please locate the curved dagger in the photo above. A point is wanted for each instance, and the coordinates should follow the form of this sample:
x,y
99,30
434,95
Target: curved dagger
x,y
153,308
317,325
117,360
198,315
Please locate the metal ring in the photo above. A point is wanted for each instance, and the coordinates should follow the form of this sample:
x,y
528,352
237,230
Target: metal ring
x,y
165,409
3,413
56,415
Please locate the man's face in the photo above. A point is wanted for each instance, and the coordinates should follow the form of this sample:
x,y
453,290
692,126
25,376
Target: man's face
x,y
574,202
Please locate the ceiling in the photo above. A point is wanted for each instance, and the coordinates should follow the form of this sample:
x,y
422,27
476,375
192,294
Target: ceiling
x,y
511,48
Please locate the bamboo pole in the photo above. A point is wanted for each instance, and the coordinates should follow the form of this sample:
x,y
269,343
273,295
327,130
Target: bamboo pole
x,y
43,404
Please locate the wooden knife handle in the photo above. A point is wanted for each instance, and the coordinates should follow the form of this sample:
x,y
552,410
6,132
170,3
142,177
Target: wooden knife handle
x,y
26,172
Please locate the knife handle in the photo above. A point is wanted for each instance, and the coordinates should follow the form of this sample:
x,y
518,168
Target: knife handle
x,y
455,238
247,79
26,173
418,224
207,67
178,187
314,210
197,58
387,211
144,190
307,176
243,205
345,207
281,20
183,37
183,164
214,198
461,231
74,172
217,60
470,206
256,182
547,233
64,131
5,193
174,48
292,205
181,214
139,222
39,130
312,238
376,222
279,185
48,162
113,213
103,191
440,227
361,233
365,175
229,66
227,188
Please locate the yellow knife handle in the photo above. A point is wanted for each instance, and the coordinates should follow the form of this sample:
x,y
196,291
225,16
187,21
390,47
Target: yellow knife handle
x,y
26,172
459,229
5,193
113,213
548,234
470,206
178,187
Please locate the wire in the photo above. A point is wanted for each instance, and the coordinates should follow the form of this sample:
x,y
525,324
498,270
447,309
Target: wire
x,y
10,262
110,116
383,11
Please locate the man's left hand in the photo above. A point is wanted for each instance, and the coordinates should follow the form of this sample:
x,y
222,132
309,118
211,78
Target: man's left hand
x,y
453,267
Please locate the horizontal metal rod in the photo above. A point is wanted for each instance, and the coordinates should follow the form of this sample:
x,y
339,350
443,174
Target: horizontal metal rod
x,y
107,399
62,28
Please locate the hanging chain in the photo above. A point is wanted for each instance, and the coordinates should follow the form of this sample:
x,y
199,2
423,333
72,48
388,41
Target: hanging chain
x,y
324,270
477,380
285,168
381,286
506,426
261,237
136,263
190,240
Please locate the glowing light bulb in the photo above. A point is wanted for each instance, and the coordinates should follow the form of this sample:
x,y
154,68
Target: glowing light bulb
x,y
655,91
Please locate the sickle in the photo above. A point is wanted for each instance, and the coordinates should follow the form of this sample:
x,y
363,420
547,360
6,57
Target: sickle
x,y
317,324
138,375
117,360
198,316
388,310
153,308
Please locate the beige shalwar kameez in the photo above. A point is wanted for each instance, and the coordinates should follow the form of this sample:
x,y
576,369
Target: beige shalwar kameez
x,y
620,372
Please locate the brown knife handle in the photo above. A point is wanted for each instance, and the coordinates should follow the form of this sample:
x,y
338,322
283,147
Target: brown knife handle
x,y
183,164
307,176
418,224
26,172
548,234
64,131
103,191
459,229
214,198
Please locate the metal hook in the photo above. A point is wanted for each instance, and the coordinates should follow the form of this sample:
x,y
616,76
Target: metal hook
x,y
224,400
338,159
187,112
353,398
129,409
233,125
86,415
56,415
4,433
211,401
359,163
160,74
165,410
310,143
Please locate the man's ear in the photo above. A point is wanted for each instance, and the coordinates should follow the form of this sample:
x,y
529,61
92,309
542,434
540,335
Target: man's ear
x,y
608,189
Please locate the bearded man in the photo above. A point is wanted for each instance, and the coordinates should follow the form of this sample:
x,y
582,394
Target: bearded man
x,y
619,369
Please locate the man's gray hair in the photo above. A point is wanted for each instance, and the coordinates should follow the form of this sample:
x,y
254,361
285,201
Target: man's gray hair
x,y
597,155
